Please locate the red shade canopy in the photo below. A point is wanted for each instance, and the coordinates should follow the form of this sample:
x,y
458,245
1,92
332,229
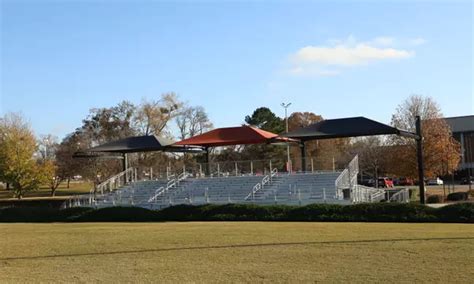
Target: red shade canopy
x,y
233,136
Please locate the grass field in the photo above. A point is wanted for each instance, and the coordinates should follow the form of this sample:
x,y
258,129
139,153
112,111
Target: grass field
x,y
236,252
44,192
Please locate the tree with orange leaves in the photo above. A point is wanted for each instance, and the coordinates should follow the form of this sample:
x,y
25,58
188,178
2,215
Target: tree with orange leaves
x,y
440,151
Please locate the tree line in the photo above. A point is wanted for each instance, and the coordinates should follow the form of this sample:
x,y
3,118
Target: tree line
x,y
28,162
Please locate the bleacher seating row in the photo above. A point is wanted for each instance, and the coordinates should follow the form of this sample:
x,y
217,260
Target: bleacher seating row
x,y
281,189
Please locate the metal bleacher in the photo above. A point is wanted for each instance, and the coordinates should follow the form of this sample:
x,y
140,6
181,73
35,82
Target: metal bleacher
x,y
299,188
272,188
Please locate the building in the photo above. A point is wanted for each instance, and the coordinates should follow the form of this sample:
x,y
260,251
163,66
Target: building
x,y
462,128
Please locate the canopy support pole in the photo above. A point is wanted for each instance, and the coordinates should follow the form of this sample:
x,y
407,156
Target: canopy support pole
x,y
419,154
125,166
303,156
208,166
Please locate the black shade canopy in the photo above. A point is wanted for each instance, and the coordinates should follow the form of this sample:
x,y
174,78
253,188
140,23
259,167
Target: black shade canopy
x,y
142,144
345,127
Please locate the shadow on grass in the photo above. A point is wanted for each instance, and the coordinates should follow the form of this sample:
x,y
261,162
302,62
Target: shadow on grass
x,y
232,246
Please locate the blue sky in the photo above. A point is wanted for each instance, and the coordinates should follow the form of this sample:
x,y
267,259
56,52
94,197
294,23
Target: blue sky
x,y
61,58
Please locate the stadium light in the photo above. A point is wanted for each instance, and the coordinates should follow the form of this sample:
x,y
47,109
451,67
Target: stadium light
x,y
285,106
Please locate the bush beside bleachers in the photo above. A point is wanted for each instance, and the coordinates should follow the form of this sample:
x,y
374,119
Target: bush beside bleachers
x,y
368,212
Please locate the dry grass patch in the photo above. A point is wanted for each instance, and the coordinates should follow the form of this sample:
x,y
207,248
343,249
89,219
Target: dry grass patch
x,y
236,252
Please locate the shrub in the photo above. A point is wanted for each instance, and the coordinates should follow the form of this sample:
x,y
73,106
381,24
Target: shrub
x,y
460,212
69,214
41,214
366,212
457,196
118,214
434,199
213,212
29,214
390,212
245,212
315,212
471,193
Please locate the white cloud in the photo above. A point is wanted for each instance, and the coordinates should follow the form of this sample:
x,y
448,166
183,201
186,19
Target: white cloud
x,y
345,55
324,60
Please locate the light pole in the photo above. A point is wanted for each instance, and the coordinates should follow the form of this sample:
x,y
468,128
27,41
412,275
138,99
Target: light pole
x,y
285,106
45,143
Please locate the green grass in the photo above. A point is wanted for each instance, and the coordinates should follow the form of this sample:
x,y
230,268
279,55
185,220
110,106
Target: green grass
x,y
236,252
45,192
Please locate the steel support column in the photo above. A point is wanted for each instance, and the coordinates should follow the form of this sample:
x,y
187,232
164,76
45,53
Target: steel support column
x,y
125,167
419,153
303,156
208,166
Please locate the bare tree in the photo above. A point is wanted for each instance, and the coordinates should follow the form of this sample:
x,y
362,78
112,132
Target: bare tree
x,y
152,117
373,155
193,121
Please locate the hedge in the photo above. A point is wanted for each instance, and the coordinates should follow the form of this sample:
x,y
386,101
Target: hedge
x,y
41,214
458,196
369,212
434,199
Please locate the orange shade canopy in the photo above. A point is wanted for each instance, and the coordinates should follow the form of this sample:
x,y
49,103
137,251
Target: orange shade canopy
x,y
240,135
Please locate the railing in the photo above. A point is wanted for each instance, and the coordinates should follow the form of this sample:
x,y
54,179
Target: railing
x,y
158,192
266,180
76,201
360,194
401,196
164,189
377,195
182,176
247,167
255,189
113,183
342,182
117,181
273,173
348,178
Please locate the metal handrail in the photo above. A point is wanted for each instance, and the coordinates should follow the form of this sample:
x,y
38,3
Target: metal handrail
x,y
113,183
160,191
274,172
361,193
402,196
340,182
256,188
170,184
114,179
348,177
266,179
182,176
